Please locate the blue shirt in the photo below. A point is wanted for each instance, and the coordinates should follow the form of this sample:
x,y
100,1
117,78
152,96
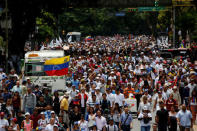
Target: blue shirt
x,y
184,117
124,116
76,84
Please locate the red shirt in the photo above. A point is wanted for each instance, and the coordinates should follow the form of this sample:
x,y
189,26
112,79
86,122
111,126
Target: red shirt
x,y
35,119
170,103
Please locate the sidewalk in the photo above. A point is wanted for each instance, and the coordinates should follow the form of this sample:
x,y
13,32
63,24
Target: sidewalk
x,y
194,127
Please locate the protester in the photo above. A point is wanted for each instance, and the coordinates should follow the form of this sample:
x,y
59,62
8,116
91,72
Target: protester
x,y
103,76
126,120
145,117
100,120
27,124
172,119
14,126
3,122
162,117
184,118
29,101
51,125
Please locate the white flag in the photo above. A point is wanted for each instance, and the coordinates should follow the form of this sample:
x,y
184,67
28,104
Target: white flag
x,y
70,39
60,40
57,42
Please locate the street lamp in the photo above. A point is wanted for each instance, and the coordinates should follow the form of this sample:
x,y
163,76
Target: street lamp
x,y
6,30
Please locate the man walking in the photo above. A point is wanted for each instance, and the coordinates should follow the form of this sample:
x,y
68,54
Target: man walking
x,y
29,102
126,120
184,118
162,117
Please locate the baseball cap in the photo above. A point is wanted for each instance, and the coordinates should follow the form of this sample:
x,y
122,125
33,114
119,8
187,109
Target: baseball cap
x,y
145,108
27,114
52,112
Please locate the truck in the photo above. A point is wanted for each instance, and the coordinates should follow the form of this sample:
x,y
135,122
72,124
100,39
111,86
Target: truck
x,y
73,37
33,68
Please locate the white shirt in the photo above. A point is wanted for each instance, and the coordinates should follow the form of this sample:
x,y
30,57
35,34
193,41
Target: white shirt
x,y
82,100
112,128
119,99
99,96
111,98
3,122
83,125
49,127
100,122
141,115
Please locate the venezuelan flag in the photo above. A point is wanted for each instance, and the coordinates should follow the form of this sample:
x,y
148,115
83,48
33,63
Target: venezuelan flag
x,y
57,66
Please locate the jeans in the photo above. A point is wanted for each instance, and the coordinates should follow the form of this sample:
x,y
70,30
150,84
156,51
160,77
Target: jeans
x,y
15,112
30,110
145,128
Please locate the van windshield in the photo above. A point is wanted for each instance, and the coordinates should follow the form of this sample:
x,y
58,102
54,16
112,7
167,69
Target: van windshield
x,y
166,55
34,69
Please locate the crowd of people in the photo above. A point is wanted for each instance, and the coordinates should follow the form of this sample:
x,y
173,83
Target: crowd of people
x,y
103,74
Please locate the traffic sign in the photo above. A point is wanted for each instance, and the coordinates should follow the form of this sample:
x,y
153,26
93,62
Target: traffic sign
x,y
120,14
152,9
132,9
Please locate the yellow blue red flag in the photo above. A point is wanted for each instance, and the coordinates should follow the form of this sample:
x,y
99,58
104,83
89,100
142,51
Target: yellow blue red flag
x,y
57,66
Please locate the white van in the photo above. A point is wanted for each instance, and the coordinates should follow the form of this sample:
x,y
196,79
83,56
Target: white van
x,y
73,37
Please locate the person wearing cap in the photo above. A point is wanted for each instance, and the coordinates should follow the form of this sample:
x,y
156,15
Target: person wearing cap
x,y
51,125
55,128
42,122
27,124
161,117
29,101
53,115
13,126
126,120
29,84
145,117
64,105
3,122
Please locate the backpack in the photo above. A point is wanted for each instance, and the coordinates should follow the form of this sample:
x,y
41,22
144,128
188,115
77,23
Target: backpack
x,y
108,127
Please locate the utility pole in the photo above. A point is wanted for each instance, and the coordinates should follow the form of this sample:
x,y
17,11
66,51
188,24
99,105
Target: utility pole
x,y
174,28
6,31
